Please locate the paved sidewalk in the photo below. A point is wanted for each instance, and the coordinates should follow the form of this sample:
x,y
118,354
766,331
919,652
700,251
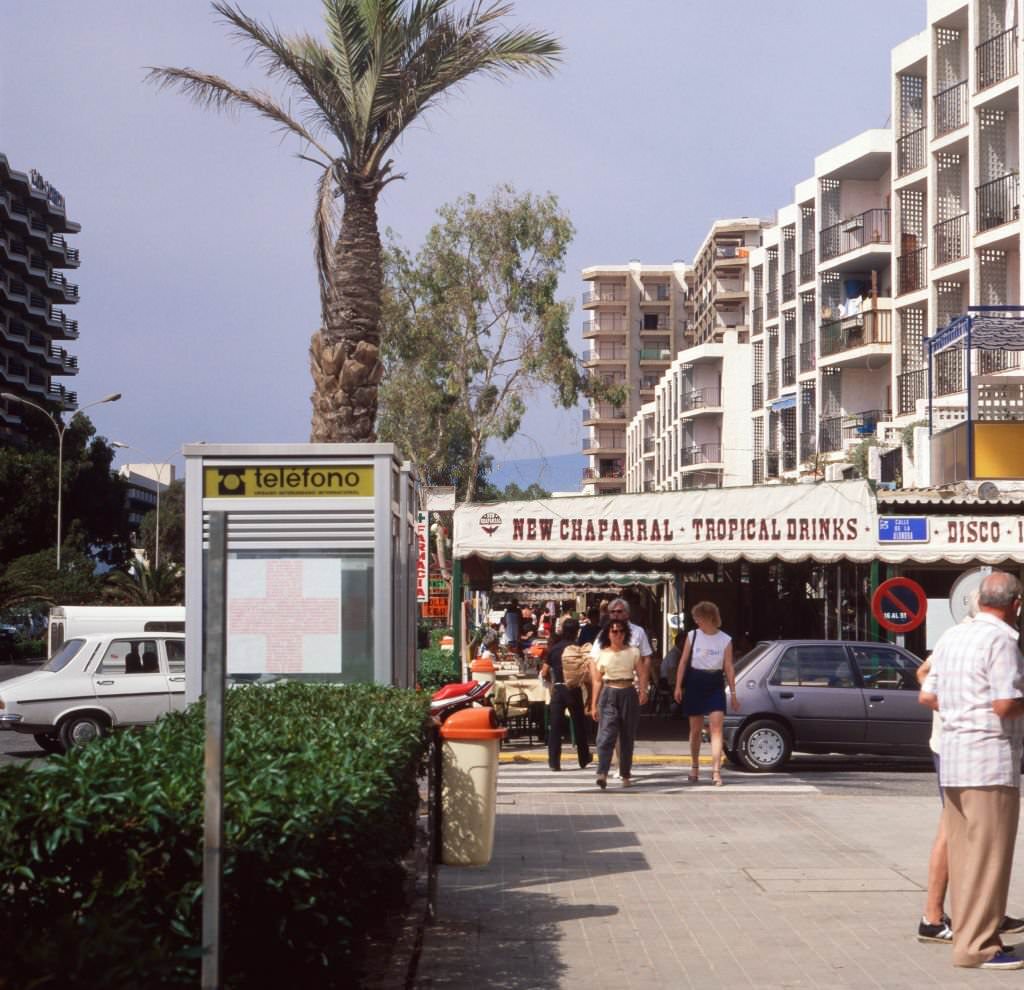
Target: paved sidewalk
x,y
671,887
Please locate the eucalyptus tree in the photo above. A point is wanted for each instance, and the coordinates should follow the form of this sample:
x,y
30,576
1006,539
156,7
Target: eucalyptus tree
x,y
382,65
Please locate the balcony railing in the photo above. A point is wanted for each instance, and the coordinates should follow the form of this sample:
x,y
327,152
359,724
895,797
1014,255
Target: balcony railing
x,y
603,412
601,295
704,453
808,448
648,445
600,474
830,434
807,266
996,58
948,371
998,201
758,321
604,443
808,355
607,352
788,285
870,327
910,152
771,463
700,398
656,294
591,327
757,471
788,458
836,431
789,369
771,301
869,227
951,240
992,361
757,395
648,383
773,384
857,426
655,354
950,108
912,270
910,386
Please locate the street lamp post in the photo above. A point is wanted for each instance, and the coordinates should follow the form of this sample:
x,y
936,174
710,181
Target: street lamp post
x,y
60,426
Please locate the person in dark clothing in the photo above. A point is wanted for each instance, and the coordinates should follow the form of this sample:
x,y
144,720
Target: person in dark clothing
x,y
588,631
567,695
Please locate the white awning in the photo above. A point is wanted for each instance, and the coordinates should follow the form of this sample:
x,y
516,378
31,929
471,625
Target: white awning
x,y
824,522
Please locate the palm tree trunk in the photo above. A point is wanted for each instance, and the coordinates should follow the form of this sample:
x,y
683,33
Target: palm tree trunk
x,y
344,354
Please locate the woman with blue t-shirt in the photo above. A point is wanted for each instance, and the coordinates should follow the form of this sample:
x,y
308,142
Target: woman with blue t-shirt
x,y
706,664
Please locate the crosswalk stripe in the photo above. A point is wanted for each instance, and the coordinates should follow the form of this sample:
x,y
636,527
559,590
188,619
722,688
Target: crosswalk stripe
x,y
534,778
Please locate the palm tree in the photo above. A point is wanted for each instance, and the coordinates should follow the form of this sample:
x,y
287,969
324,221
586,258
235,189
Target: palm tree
x,y
144,584
384,63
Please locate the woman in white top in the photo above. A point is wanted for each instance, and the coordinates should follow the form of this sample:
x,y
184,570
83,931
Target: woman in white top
x,y
706,665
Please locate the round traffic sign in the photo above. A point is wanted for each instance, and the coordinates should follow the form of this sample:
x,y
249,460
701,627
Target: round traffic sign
x,y
899,605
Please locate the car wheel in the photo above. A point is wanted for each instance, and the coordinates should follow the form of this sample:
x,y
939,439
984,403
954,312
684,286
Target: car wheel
x,y
764,745
49,743
78,729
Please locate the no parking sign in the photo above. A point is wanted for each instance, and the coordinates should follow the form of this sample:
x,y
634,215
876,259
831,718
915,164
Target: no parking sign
x,y
899,605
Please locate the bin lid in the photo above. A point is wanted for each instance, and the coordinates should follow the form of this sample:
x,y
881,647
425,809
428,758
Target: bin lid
x,y
481,665
472,723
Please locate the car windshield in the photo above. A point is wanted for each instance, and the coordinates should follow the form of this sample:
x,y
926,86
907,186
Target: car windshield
x,y
750,656
64,655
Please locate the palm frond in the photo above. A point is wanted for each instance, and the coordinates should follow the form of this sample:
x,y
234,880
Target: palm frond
x,y
215,93
325,224
443,50
301,61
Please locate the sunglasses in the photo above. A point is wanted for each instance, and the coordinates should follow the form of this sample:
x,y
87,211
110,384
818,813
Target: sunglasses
x,y
620,629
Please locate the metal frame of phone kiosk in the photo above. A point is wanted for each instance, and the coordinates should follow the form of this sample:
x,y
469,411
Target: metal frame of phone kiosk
x,y
320,559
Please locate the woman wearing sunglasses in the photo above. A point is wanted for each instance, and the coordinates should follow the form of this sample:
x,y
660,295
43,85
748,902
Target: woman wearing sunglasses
x,y
616,705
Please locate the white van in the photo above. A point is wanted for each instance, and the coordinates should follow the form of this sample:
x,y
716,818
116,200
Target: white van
x,y
67,621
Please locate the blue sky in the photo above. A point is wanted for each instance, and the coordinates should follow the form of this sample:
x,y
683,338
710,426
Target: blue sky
x,y
197,280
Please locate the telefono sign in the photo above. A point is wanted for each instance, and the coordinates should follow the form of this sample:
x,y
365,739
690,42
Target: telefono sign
x,y
288,481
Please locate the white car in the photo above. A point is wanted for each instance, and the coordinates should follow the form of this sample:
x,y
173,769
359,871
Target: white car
x,y
96,683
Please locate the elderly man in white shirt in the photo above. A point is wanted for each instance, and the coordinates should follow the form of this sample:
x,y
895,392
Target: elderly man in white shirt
x,y
976,683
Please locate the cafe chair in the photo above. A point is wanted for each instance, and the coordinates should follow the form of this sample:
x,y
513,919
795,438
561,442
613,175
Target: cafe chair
x,y
514,715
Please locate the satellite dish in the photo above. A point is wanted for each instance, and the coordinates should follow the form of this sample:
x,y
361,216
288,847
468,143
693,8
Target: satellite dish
x,y
963,596
988,489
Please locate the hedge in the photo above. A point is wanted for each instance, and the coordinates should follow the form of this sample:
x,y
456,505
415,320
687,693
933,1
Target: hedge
x,y
101,850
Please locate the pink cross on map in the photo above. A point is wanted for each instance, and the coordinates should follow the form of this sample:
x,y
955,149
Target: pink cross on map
x,y
276,633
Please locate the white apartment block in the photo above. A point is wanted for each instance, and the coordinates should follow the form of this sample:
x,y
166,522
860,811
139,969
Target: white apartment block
x,y
896,233
636,317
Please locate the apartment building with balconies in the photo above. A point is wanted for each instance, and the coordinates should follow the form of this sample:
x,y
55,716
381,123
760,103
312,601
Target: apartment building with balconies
x,y
821,352
640,451
701,425
956,101
721,290
635,316
34,290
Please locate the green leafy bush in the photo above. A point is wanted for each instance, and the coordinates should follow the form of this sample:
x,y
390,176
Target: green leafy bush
x,y
30,649
436,667
101,851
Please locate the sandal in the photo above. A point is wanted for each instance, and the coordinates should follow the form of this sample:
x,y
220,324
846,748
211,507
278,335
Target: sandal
x,y
716,778
694,775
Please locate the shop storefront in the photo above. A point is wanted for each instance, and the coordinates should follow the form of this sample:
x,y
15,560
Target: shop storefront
x,y
782,561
